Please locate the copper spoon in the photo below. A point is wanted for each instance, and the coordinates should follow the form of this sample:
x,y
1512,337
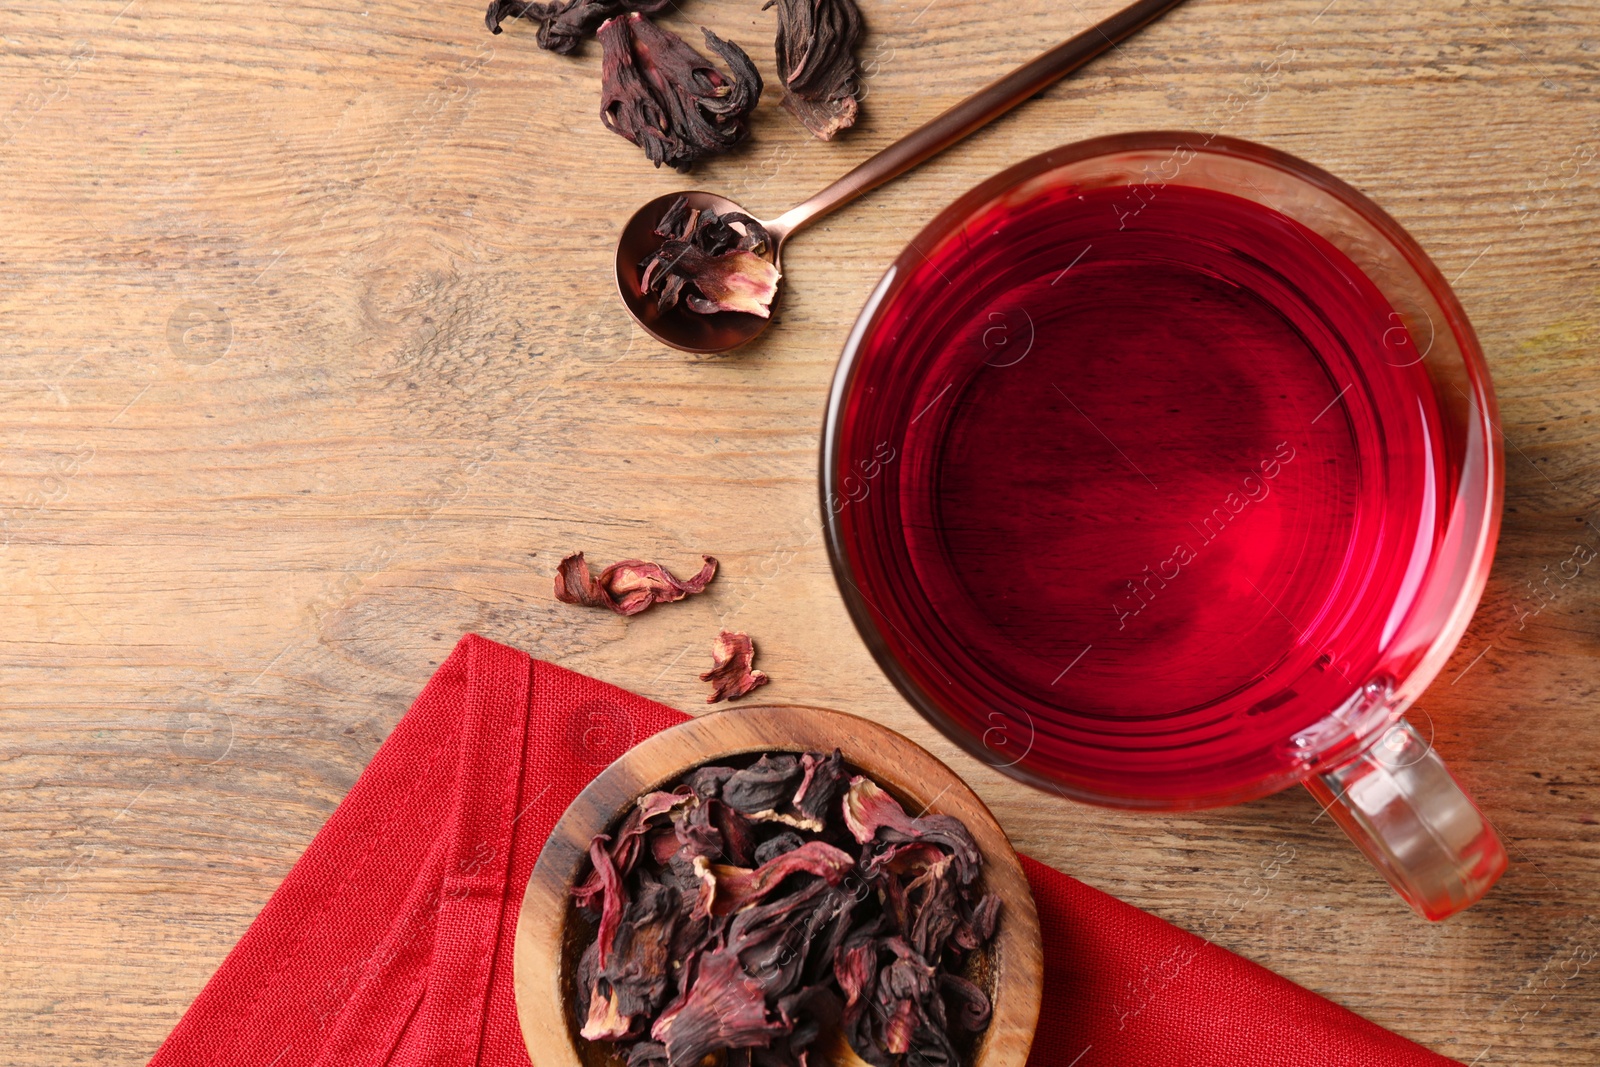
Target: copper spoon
x,y
692,332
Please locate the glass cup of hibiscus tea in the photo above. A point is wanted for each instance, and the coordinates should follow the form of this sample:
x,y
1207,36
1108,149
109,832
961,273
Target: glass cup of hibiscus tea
x,y
1161,471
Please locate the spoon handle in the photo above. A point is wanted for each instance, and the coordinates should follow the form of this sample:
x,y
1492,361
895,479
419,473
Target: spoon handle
x,y
977,110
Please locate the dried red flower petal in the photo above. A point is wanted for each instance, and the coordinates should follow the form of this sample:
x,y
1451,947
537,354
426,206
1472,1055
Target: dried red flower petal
x,y
931,909
733,281
626,587
856,970
708,781
824,779
897,1032
776,941
698,836
611,898
633,984
913,1012
654,805
874,816
711,262
663,843
669,99
740,886
626,845
731,674
564,25
604,1022
811,1012
575,585
816,60
777,845
722,1008
635,585
648,1054
763,785
738,835
972,1004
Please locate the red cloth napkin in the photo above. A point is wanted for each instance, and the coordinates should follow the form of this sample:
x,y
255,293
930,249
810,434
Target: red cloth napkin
x,y
390,942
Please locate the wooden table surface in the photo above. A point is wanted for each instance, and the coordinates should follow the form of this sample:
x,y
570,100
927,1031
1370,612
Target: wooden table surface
x,y
310,363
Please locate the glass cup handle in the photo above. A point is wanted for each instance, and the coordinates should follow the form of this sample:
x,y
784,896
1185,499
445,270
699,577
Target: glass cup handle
x,y
1401,806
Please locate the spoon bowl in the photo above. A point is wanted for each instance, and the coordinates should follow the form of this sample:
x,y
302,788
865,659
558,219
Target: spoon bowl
x,y
679,327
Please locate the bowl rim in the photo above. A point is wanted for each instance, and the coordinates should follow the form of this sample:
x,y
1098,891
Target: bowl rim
x,y
539,943
1485,414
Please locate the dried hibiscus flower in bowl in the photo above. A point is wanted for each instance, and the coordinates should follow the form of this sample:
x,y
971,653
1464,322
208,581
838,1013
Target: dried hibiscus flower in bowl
x,y
734,891
754,908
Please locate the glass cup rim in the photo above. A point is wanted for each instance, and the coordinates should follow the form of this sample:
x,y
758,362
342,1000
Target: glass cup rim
x,y
1468,590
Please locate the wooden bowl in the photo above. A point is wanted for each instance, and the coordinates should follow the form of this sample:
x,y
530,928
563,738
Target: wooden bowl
x,y
550,934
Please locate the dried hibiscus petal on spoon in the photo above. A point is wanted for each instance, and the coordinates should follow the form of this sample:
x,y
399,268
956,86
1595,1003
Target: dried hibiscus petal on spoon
x,y
733,281
711,262
669,99
816,60
731,674
628,586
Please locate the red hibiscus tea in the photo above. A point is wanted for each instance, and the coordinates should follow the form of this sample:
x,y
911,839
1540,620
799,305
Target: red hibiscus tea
x,y
1129,489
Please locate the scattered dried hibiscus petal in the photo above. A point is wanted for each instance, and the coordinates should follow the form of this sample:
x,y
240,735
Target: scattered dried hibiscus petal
x,y
816,60
711,262
669,99
564,24
731,674
626,587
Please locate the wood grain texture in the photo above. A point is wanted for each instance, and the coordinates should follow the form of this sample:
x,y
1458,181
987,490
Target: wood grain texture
x,y
548,944
311,362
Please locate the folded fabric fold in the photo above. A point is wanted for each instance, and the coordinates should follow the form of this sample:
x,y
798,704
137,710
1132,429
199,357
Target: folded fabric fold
x,y
390,941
